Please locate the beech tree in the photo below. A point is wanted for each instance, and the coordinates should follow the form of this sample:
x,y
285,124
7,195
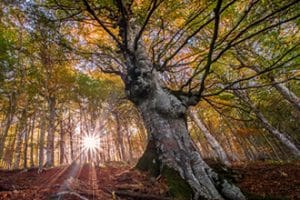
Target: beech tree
x,y
170,55
147,42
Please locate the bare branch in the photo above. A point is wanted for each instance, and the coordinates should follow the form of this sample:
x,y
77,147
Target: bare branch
x,y
182,30
268,69
265,29
211,48
92,12
194,33
242,18
138,36
234,41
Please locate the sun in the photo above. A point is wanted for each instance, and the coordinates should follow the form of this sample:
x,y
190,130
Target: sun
x,y
91,142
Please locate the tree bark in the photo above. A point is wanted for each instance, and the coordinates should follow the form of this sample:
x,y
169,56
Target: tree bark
x,y
9,118
50,137
18,150
62,143
164,117
120,143
42,141
71,131
26,140
32,142
22,131
130,154
108,140
169,143
281,136
11,149
71,146
288,95
210,138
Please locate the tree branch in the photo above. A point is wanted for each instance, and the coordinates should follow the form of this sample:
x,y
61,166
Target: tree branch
x,y
211,48
232,43
268,69
92,12
194,33
138,36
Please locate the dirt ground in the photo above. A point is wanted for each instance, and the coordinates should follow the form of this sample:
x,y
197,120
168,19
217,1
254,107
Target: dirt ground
x,y
270,181
258,180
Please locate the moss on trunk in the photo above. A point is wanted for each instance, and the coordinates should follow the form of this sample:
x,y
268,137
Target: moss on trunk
x,y
149,161
178,188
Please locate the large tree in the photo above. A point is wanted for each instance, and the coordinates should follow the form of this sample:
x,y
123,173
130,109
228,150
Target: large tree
x,y
167,53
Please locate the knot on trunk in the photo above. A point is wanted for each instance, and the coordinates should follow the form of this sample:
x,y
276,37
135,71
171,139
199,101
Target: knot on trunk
x,y
168,104
139,84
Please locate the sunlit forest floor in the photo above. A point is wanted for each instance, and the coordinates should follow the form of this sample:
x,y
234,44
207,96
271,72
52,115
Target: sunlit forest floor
x,y
258,180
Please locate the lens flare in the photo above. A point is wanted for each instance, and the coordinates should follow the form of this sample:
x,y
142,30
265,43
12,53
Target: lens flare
x,y
91,142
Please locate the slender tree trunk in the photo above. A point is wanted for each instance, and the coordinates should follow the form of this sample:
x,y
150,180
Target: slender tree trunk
x,y
288,95
71,146
235,139
81,118
130,155
26,140
42,141
198,141
120,142
71,132
62,143
281,136
10,151
271,145
210,138
267,125
283,90
108,147
142,133
36,149
22,131
9,118
18,149
32,143
50,137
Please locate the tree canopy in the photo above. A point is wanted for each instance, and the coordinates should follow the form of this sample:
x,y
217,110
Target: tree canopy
x,y
176,79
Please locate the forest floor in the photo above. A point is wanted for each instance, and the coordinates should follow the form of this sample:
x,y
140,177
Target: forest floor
x,y
259,180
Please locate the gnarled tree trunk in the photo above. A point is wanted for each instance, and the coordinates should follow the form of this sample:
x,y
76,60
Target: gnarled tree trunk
x,y
170,145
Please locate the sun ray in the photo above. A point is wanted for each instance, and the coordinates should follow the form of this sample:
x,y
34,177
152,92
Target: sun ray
x,y
90,147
